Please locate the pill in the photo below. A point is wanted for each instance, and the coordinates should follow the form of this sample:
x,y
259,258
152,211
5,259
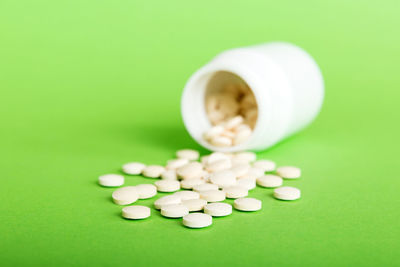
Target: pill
x,y
218,209
289,172
236,191
153,171
221,141
169,175
266,165
216,156
192,170
146,191
255,172
167,185
242,135
205,187
174,210
125,195
219,165
111,180
247,204
234,122
187,195
197,220
194,204
213,131
240,169
189,154
287,193
133,168
176,163
245,157
248,183
228,134
190,183
269,180
212,195
166,200
223,178
136,212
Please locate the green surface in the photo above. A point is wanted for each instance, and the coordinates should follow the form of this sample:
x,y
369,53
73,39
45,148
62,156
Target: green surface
x,y
89,85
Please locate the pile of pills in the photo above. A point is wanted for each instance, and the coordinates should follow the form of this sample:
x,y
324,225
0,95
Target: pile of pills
x,y
208,181
232,110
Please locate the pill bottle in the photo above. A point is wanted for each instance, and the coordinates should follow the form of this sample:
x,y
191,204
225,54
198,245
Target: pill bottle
x,y
284,80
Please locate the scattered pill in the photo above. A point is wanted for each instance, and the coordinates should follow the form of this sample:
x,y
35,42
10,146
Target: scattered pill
x,y
153,171
213,195
216,156
248,183
269,180
255,172
265,165
174,210
167,185
245,157
136,212
111,180
236,191
240,169
190,183
187,195
287,193
223,178
247,204
197,220
169,175
125,195
191,170
194,204
176,163
219,165
289,172
218,209
189,154
146,191
166,200
133,168
205,187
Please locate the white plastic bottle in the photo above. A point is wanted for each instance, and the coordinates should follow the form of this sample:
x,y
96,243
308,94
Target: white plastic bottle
x,y
285,80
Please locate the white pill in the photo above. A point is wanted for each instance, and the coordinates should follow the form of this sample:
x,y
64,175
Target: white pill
x,y
289,172
176,163
213,131
218,209
240,169
221,141
192,170
189,154
133,168
190,183
236,191
136,212
269,180
219,165
223,178
255,172
228,134
153,171
247,204
248,183
212,195
174,210
169,175
245,157
234,122
287,193
195,204
205,187
266,165
197,220
216,156
187,195
242,135
146,191
166,200
125,195
167,186
111,180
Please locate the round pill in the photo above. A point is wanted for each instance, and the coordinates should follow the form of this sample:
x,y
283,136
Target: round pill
x,y
189,154
153,171
194,204
186,195
287,193
125,195
240,169
213,195
174,210
146,191
191,170
221,141
166,200
223,178
205,187
248,183
176,163
289,172
197,220
265,165
269,180
219,165
255,172
244,157
247,204
136,212
236,191
111,180
167,186
190,183
133,168
234,122
216,156
169,175
218,209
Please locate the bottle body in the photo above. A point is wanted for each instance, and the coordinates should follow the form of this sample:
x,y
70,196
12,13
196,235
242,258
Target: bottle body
x,y
285,80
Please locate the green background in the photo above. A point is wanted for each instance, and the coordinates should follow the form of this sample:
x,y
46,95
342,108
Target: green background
x,y
89,85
